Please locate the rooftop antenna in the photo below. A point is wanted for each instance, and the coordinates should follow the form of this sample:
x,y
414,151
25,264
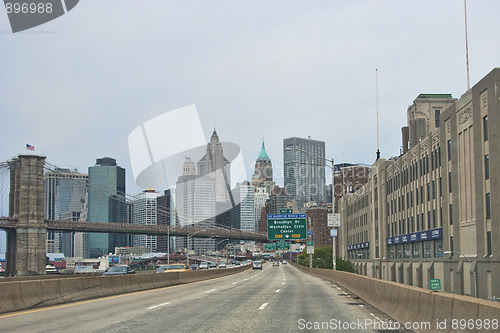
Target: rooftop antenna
x,y
376,89
466,46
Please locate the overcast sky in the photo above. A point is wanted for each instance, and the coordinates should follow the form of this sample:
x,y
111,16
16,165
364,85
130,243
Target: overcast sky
x,y
76,87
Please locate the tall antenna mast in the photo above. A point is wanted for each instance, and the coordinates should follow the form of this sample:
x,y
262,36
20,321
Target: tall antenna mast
x,y
376,88
466,46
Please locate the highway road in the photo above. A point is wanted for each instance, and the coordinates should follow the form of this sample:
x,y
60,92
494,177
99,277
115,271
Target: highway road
x,y
274,299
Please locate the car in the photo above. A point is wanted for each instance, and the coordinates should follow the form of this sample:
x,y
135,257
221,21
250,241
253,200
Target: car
x,y
50,269
257,264
276,263
222,265
237,262
204,265
283,262
195,267
213,265
161,269
119,270
173,268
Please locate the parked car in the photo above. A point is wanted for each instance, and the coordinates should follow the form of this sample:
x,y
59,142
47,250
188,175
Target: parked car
x,y
213,265
195,267
204,265
222,265
257,264
119,270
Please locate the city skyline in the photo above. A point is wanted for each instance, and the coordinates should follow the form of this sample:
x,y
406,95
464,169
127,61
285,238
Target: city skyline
x,y
306,70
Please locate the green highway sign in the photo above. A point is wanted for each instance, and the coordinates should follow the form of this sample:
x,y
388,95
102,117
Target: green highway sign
x,y
270,247
286,226
282,245
310,243
286,211
435,284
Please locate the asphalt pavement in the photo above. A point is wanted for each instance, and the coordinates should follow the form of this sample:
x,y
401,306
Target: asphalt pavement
x,y
274,299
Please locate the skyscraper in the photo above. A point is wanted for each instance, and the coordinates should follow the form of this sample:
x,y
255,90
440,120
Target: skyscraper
x,y
106,204
146,212
217,166
263,174
194,196
166,216
243,214
64,199
304,170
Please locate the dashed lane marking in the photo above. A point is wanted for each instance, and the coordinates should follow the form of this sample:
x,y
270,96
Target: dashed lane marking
x,y
157,306
263,306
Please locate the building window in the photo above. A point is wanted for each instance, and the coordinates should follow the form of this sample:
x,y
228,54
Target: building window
x,y
485,128
427,249
438,248
488,205
449,182
488,243
416,250
407,250
451,245
487,166
448,144
436,118
399,251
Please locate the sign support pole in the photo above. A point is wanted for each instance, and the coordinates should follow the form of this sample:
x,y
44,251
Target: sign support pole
x,y
334,254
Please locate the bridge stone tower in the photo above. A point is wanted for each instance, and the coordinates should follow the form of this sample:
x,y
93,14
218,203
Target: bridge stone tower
x,y
26,244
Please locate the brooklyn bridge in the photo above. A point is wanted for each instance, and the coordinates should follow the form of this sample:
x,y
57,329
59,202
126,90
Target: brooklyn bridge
x,y
26,226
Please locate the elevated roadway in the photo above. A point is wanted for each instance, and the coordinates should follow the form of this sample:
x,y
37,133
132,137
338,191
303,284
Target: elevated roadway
x,y
275,299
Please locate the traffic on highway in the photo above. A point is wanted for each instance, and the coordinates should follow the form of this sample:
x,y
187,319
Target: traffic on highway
x,y
276,298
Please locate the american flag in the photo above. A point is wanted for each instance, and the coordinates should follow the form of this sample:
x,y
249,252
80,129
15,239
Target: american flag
x,y
30,147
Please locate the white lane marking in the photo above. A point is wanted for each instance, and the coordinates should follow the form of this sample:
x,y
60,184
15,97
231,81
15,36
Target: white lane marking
x,y
283,283
211,290
157,306
245,279
284,279
278,290
263,306
235,282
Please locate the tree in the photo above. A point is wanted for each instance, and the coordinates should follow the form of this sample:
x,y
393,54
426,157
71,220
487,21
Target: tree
x,y
322,258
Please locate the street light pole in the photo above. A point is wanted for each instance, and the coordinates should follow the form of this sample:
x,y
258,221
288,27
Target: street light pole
x,y
473,271
334,238
187,250
217,252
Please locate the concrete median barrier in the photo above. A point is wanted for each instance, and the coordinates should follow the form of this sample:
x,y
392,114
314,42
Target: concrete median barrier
x,y
409,304
12,293
27,294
